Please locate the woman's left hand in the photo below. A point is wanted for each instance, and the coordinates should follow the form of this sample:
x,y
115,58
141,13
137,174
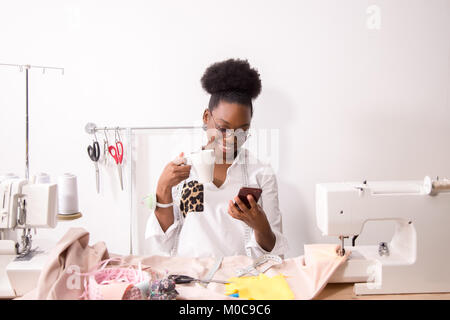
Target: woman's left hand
x,y
254,217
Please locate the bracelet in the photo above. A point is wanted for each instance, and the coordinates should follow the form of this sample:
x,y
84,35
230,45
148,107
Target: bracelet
x,y
164,205
151,203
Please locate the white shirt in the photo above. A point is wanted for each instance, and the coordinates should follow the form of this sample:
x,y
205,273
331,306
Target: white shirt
x,y
212,231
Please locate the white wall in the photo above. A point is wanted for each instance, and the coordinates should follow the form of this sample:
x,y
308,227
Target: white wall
x,y
350,103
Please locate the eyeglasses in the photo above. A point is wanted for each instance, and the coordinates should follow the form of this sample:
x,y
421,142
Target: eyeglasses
x,y
228,133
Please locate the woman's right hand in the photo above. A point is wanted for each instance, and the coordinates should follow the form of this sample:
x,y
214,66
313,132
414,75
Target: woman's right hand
x,y
172,174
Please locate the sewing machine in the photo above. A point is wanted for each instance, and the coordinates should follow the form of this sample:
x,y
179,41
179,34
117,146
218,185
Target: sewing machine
x,y
417,258
23,206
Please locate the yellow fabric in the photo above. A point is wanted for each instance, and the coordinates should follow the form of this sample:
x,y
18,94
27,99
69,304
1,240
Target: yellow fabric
x,y
260,287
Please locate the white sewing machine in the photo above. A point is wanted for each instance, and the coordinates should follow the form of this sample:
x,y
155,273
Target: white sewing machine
x,y
416,260
23,206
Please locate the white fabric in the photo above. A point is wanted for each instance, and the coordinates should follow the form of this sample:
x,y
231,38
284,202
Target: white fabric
x,y
214,232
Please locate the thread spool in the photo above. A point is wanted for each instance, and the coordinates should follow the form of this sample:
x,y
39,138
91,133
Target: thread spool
x,y
436,186
41,178
67,194
8,176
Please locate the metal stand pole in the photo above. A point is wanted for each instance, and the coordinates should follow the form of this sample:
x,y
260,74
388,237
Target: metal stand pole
x,y
27,141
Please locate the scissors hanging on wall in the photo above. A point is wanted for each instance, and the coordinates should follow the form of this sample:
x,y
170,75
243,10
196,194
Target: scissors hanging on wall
x,y
94,153
117,153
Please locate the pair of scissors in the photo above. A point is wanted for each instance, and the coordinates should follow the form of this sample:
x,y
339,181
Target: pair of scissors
x,y
179,279
94,154
117,153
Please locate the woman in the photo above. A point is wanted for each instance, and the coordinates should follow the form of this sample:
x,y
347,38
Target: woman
x,y
192,219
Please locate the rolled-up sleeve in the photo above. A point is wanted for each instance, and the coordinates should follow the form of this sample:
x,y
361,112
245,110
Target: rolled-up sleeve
x,y
269,202
157,241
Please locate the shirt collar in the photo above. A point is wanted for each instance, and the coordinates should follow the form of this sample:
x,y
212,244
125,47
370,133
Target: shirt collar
x,y
239,160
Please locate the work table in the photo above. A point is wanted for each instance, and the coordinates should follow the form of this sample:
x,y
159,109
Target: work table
x,y
344,291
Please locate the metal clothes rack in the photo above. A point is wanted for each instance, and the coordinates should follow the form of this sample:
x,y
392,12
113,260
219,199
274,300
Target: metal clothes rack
x,y
27,67
92,128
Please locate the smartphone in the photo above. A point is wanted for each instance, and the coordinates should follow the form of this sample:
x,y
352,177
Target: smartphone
x,y
245,191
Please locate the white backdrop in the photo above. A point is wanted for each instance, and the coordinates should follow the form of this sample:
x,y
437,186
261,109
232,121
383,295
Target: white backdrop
x,y
356,91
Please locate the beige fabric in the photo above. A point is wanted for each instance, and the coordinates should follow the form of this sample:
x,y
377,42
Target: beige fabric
x,y
307,275
72,250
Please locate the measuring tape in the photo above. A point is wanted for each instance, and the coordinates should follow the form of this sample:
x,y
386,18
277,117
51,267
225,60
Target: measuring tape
x,y
251,269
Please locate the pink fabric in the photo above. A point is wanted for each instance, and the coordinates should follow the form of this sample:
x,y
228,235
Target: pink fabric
x,y
307,275
111,283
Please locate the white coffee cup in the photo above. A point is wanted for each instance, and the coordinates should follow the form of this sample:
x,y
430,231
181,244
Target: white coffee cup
x,y
203,163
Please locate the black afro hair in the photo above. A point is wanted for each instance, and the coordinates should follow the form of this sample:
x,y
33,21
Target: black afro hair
x,y
232,75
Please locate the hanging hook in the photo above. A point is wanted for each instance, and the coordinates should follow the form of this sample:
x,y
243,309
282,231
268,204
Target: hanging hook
x,y
43,70
106,136
117,134
105,148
